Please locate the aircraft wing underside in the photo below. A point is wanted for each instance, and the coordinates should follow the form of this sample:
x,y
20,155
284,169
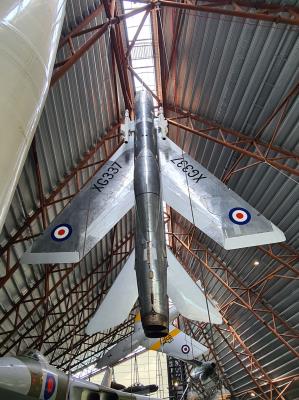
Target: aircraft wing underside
x,y
216,210
176,344
205,200
91,214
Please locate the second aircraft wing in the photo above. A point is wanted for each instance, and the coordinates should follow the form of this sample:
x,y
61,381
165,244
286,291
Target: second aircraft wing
x,y
176,344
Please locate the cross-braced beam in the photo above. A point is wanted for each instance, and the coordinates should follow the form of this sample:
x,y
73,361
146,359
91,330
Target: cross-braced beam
x,y
56,195
239,295
278,14
248,146
242,295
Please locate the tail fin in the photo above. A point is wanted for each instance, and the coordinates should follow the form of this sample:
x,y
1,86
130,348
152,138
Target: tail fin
x,y
107,378
187,297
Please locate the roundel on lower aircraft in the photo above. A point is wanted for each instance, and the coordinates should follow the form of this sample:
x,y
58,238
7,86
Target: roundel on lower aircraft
x,y
185,349
239,216
50,386
61,232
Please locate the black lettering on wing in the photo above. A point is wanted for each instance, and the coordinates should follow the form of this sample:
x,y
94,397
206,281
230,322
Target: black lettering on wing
x,y
115,163
105,182
201,176
185,169
98,188
181,163
107,175
176,159
112,170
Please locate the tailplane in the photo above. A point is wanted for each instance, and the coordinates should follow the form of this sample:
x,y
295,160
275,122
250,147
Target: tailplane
x,y
118,302
188,298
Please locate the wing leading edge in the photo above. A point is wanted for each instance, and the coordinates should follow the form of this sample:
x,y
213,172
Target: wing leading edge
x,y
217,211
90,215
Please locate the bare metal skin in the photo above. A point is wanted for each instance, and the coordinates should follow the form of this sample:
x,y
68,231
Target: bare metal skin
x,y
31,377
151,261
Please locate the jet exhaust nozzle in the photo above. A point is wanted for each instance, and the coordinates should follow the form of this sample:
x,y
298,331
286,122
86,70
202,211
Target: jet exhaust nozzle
x,y
155,325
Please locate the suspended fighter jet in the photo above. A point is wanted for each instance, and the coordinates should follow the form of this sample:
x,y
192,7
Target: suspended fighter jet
x,y
142,173
30,376
137,388
203,370
176,344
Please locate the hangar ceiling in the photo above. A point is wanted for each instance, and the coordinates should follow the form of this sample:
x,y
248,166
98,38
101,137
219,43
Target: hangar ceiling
x,y
228,78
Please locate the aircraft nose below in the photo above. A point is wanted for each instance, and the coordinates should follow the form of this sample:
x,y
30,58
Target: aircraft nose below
x,y
195,372
14,375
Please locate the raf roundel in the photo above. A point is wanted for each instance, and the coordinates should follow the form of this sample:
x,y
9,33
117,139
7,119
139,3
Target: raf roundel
x,y
239,216
61,232
185,349
50,386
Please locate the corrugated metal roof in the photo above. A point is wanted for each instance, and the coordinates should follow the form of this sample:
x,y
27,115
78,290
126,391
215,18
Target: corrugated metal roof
x,y
79,110
236,72
227,69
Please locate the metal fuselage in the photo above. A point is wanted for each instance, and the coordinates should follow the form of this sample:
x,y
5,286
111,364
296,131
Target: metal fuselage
x,y
31,377
151,261
23,377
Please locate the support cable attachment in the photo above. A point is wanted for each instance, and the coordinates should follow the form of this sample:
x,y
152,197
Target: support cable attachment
x,y
161,124
128,127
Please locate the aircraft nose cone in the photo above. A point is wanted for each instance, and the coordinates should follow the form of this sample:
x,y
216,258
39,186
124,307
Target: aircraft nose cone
x,y
14,375
195,372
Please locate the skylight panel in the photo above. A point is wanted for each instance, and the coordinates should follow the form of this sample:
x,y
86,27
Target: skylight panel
x,y
142,54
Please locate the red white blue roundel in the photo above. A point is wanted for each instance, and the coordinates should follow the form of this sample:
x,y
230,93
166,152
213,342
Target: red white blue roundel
x,y
185,349
239,216
50,386
61,232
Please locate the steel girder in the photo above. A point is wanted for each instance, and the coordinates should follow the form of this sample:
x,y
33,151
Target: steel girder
x,y
85,301
101,147
244,9
244,296
239,295
247,146
63,66
262,384
81,346
252,147
203,335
